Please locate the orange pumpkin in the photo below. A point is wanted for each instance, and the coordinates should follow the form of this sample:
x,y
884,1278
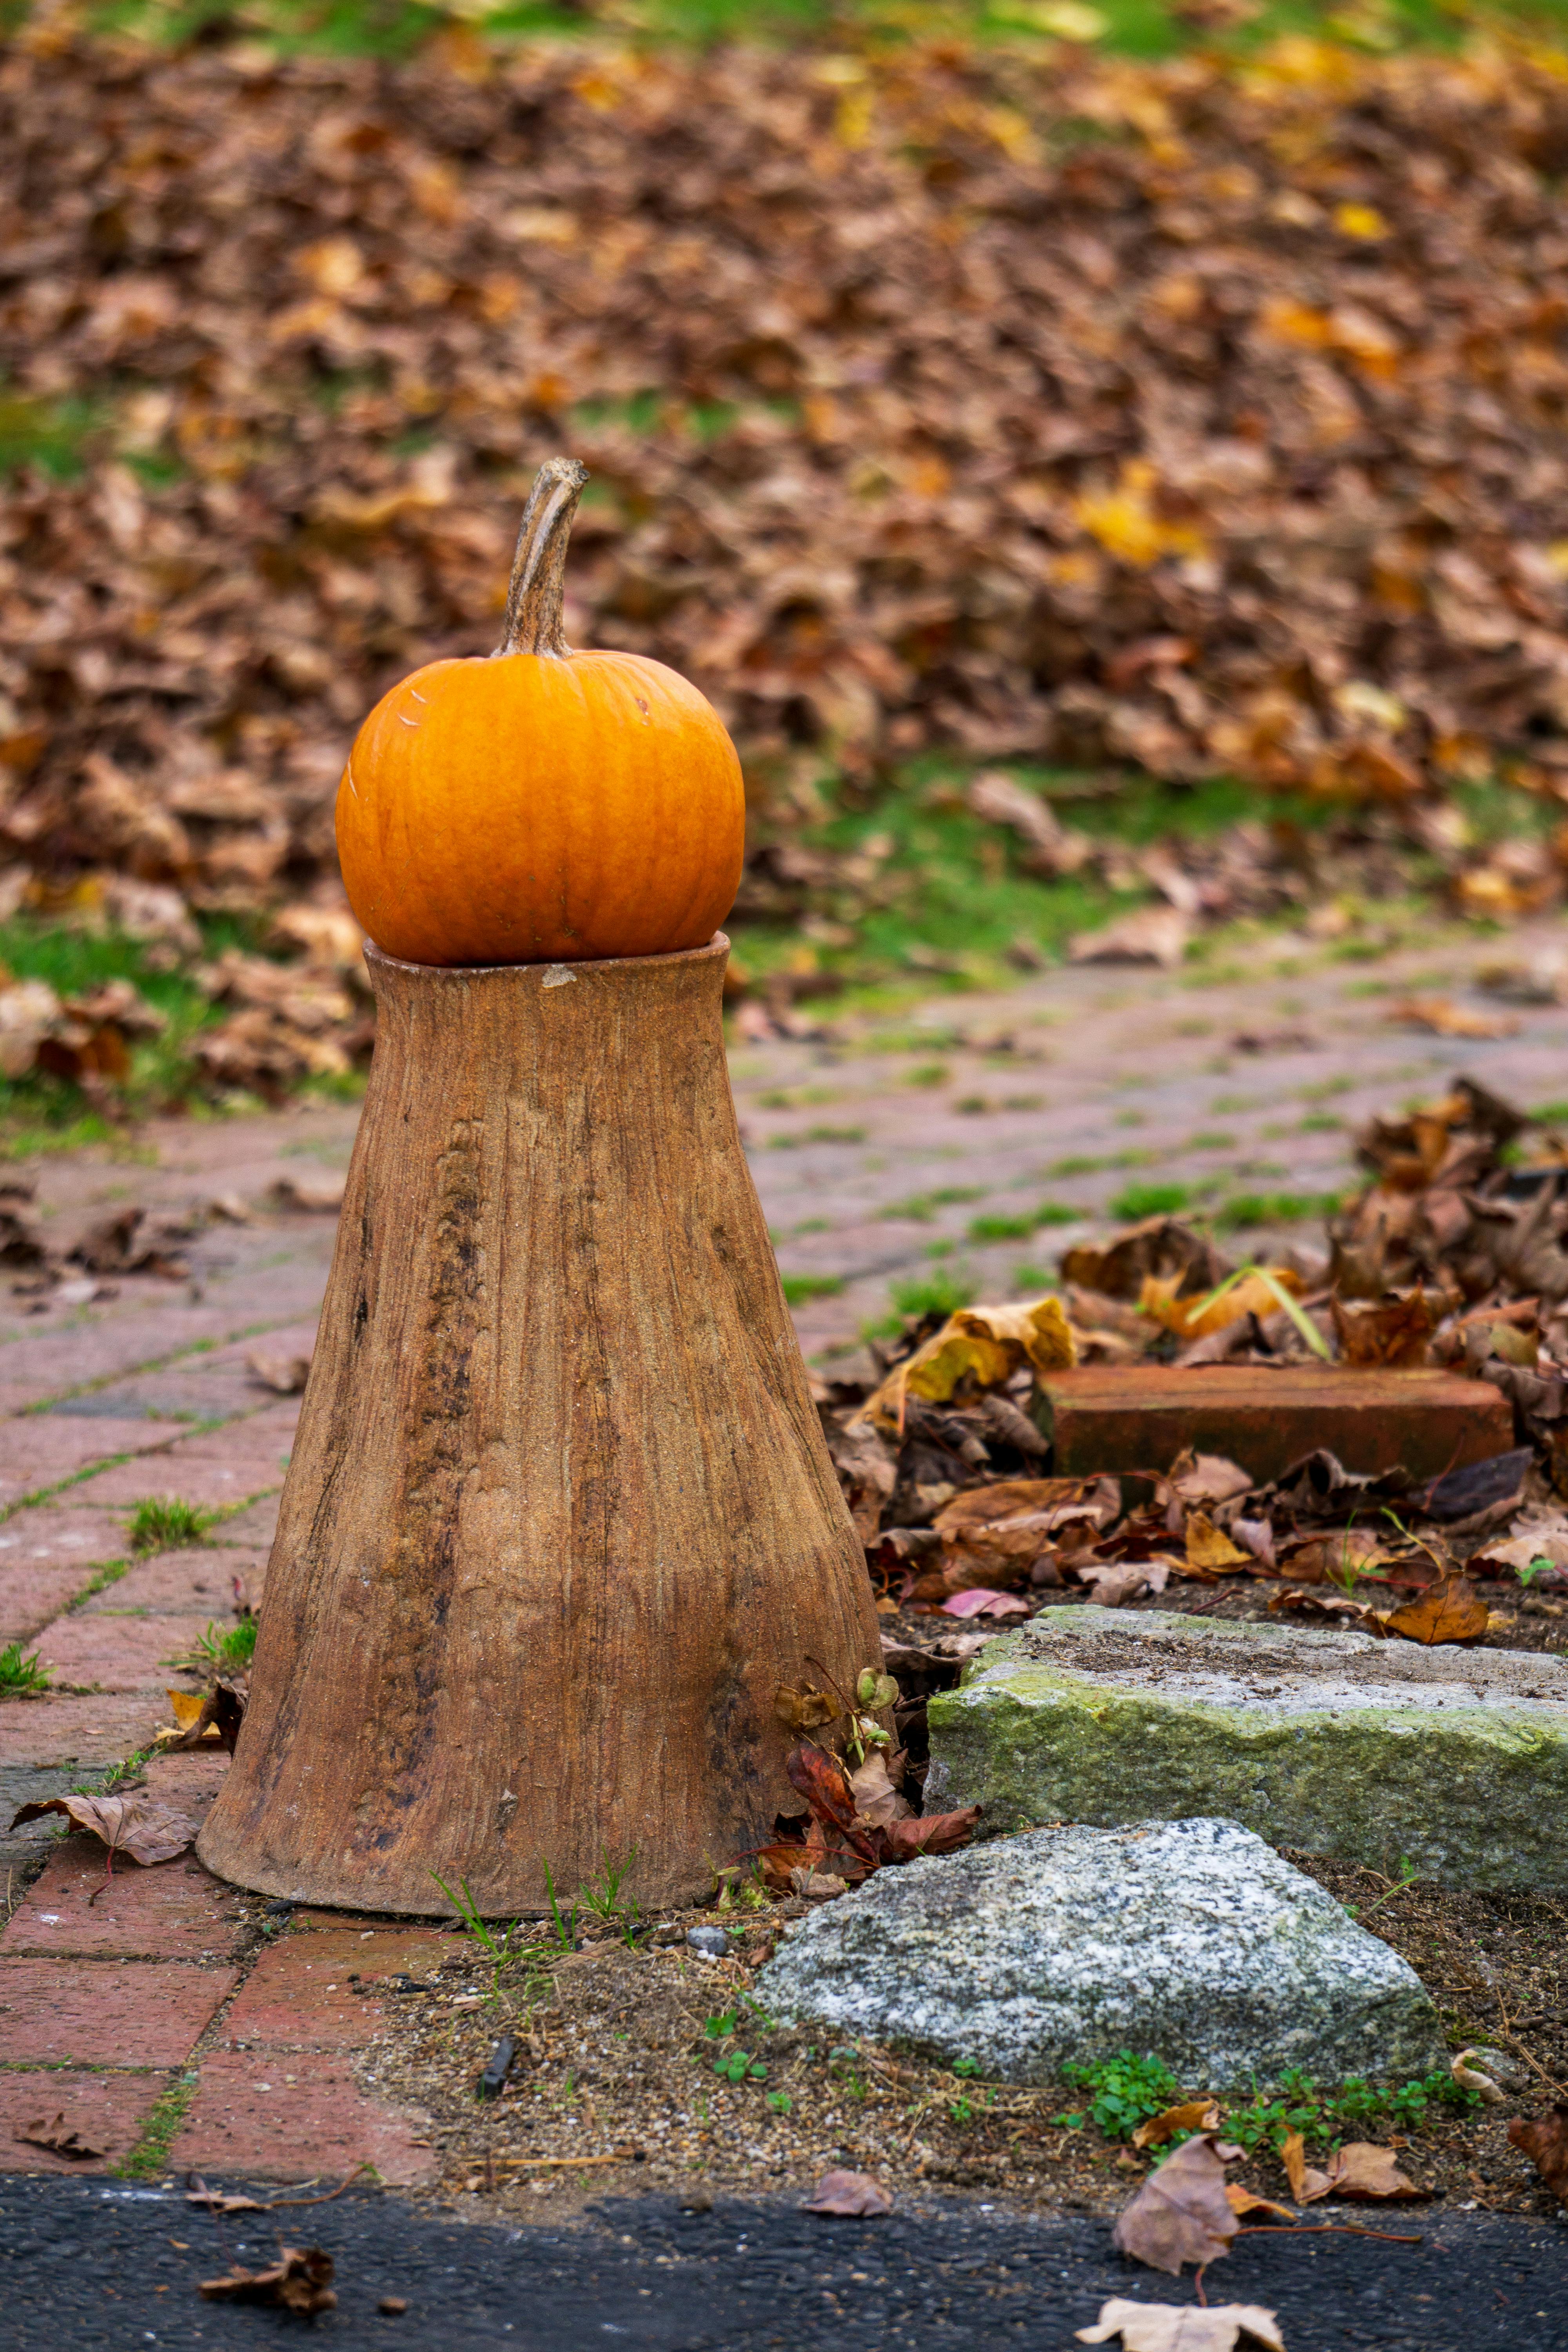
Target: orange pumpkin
x,y
540,805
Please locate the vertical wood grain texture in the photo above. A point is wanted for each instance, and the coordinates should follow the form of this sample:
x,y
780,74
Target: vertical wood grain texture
x,y
559,1517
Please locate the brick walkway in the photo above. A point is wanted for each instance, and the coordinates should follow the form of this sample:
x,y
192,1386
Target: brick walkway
x,y
169,2018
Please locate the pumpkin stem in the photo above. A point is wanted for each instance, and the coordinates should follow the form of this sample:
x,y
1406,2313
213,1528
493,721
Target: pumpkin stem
x,y
539,567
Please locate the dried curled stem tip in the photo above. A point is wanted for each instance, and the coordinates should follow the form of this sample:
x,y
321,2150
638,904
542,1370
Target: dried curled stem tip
x,y
539,567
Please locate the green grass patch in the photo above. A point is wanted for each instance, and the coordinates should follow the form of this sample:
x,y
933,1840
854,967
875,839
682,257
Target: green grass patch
x,y
817,1135
21,1677
940,1293
159,1525
1246,1210
1000,1229
1136,1201
1019,1228
150,2157
100,1579
799,1287
225,1650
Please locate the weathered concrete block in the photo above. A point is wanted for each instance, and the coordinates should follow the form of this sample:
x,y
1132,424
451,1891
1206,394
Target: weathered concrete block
x,y
1335,1742
1188,1941
1118,1417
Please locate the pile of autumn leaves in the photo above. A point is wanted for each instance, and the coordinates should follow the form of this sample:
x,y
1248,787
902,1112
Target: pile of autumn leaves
x,y
1196,417
1455,1253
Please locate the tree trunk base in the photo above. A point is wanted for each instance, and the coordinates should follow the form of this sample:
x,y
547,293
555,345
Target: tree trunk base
x,y
559,1518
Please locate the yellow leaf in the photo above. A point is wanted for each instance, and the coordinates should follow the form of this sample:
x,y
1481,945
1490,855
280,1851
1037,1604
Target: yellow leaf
x,y
1362,221
1289,321
1193,1318
1128,524
1210,1550
987,1344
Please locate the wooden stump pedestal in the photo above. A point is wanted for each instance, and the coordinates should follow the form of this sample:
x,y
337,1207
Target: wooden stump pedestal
x,y
559,1517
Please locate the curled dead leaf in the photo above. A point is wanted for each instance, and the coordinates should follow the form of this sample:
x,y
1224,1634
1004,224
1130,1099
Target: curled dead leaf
x,y
1392,1330
1242,2202
806,1709
1210,1551
300,2281
1544,2139
149,1832
286,1374
1183,2327
1360,2170
1192,2115
1470,2078
1449,1611
82,2143
852,2196
1444,1018
1181,2213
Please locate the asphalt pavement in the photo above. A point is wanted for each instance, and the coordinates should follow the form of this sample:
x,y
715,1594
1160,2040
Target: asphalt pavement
x,y
102,2262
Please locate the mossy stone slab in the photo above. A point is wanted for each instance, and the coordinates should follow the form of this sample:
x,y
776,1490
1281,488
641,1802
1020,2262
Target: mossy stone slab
x,y
1334,1743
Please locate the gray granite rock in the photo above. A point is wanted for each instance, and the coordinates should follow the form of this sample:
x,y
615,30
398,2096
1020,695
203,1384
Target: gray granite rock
x,y
1189,1940
1333,1742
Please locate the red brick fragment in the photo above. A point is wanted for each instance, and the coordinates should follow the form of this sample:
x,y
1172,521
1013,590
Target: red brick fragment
x,y
1140,1417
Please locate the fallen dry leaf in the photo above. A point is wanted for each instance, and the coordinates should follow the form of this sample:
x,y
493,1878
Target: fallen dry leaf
x,y
807,1708
984,1600
1360,2170
1544,2139
1449,1611
300,2281
1181,2213
1113,1588
853,2196
1446,1019
1242,2202
218,2201
1195,1318
877,1800
80,2142
1392,1330
902,1840
149,1832
217,1712
311,1196
287,1374
1210,1551
1156,935
1470,2078
1192,2115
986,1344
1183,2327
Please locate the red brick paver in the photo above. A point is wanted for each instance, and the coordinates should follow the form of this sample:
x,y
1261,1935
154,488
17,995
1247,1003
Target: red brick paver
x,y
109,2013
175,1911
108,2111
184,1583
123,1652
83,1732
300,1994
271,2115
